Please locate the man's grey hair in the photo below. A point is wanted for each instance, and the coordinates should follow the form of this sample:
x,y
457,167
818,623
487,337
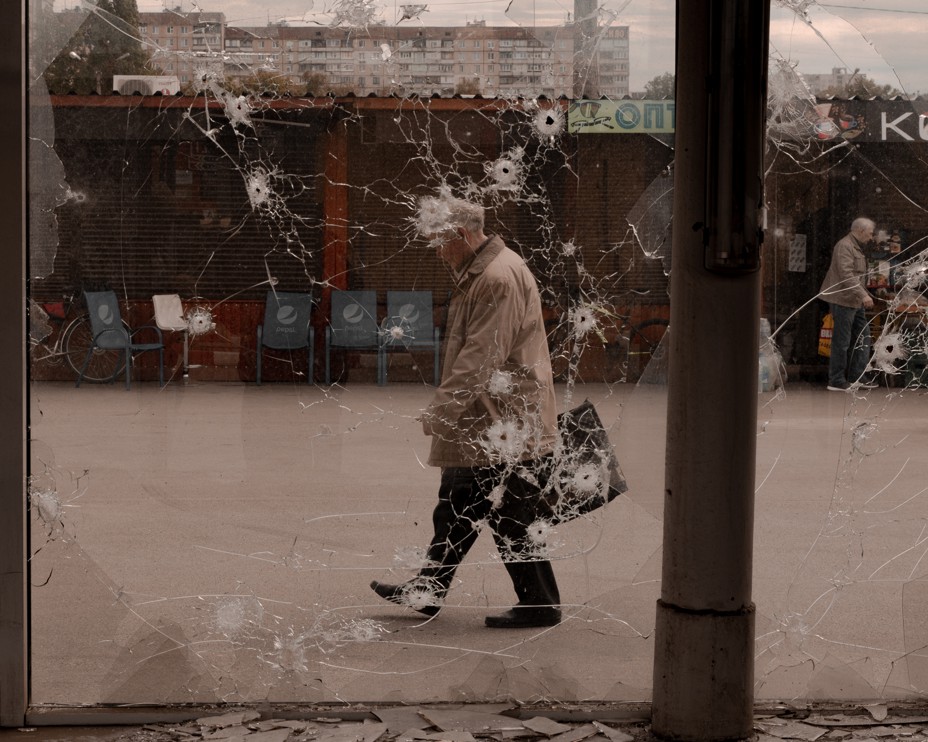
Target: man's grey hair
x,y
442,213
861,223
465,214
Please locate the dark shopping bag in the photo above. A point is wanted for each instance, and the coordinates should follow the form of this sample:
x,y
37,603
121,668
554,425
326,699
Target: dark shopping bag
x,y
586,473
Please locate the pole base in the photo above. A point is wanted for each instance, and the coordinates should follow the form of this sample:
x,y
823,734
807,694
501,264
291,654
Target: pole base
x,y
703,674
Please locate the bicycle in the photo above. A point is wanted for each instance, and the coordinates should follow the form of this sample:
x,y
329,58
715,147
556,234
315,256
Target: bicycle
x,y
634,349
71,342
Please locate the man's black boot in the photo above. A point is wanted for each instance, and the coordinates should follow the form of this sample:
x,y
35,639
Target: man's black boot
x,y
525,616
416,594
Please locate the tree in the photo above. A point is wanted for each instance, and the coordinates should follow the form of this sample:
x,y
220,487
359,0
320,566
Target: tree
x,y
106,43
662,86
469,86
316,83
861,86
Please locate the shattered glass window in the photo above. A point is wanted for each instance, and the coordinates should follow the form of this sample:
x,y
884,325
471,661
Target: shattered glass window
x,y
250,203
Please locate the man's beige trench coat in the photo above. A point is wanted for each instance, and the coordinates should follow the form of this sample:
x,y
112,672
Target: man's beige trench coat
x,y
496,402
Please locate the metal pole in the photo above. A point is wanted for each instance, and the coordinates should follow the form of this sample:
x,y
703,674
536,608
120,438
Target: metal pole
x,y
704,636
586,77
14,629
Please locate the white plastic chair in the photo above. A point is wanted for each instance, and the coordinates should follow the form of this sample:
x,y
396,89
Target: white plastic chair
x,y
169,315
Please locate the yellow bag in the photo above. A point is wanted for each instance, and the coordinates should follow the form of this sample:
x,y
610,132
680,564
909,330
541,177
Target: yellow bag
x,y
824,336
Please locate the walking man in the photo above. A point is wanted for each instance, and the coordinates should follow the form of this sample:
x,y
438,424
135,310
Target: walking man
x,y
845,289
492,420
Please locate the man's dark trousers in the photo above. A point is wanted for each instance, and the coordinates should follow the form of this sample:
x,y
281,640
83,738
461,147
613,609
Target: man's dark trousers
x,y
464,500
850,345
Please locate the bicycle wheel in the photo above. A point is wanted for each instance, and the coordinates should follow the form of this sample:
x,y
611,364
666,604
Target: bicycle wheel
x,y
104,365
43,348
647,356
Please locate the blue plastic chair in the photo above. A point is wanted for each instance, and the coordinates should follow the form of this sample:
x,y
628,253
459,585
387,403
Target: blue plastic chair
x,y
287,326
409,326
109,333
353,325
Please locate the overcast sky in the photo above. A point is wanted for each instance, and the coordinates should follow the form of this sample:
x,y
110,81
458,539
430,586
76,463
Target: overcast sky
x,y
885,39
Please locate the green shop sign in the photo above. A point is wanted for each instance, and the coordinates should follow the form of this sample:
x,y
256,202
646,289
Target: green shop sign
x,y
621,117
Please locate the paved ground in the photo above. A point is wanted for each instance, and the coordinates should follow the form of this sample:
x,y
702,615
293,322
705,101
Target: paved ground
x,y
215,542
489,722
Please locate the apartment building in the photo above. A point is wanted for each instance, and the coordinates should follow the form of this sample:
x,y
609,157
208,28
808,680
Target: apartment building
x,y
381,59
181,43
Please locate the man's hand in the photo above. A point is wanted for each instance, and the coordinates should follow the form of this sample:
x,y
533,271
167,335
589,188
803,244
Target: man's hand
x,y
868,302
427,419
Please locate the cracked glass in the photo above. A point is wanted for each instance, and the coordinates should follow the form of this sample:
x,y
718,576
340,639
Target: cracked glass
x,y
279,201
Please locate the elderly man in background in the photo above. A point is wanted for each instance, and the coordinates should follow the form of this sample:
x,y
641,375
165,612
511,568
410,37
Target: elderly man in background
x,y
492,421
845,289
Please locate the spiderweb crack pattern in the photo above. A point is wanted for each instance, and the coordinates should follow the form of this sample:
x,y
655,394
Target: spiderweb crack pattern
x,y
256,586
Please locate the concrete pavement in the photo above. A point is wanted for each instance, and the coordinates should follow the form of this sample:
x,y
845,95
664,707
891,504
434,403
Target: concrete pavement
x,y
214,543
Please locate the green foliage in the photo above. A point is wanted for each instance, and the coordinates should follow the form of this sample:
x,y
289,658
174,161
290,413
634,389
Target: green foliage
x,y
105,43
316,83
662,86
264,81
468,87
